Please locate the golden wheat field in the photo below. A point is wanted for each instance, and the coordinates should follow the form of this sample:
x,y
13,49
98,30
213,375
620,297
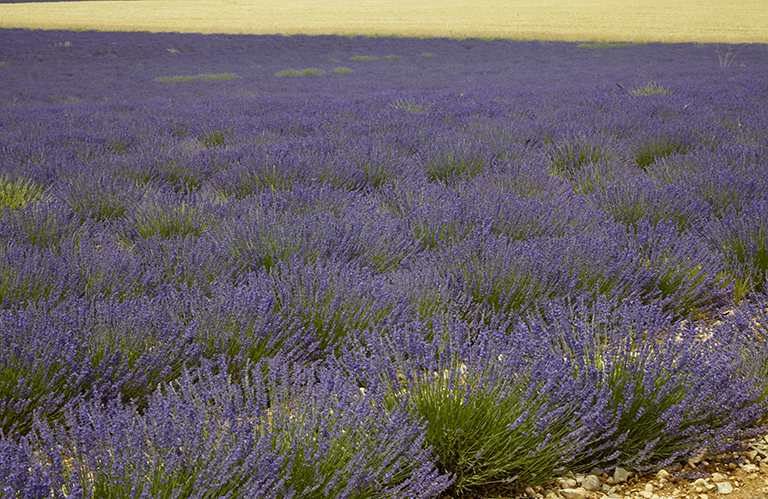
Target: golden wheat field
x,y
727,21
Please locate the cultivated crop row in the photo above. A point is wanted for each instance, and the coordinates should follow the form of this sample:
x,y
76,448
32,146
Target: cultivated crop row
x,y
459,269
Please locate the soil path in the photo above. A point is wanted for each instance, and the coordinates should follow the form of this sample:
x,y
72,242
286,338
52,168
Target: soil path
x,y
732,21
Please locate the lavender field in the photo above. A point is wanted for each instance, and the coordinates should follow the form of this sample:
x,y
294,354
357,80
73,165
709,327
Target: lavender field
x,y
350,267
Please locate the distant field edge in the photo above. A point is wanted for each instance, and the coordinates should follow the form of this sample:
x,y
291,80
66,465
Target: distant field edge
x,y
736,21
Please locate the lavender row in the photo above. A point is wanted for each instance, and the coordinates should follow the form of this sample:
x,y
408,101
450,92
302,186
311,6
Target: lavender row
x,y
414,410
45,66
418,257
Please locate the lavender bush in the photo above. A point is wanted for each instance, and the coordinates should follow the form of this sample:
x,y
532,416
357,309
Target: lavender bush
x,y
292,432
520,251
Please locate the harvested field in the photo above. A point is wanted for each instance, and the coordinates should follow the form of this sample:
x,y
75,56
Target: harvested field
x,y
737,21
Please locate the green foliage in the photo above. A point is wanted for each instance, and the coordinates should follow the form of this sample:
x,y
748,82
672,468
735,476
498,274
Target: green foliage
x,y
213,139
299,72
411,106
449,167
651,149
488,434
153,219
427,54
639,401
24,388
206,76
650,89
18,193
342,70
363,58
747,255
582,162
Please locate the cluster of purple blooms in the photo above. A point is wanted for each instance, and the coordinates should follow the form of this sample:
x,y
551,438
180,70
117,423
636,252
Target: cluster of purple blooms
x,y
463,265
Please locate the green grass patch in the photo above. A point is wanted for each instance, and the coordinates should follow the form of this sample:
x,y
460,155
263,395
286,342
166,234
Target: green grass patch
x,y
2,64
650,89
206,76
18,193
427,54
411,106
342,70
363,58
300,72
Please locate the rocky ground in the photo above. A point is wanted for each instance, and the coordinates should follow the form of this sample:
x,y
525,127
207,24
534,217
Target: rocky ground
x,y
740,475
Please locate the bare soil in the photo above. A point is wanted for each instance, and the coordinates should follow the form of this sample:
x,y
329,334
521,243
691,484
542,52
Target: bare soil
x,y
734,21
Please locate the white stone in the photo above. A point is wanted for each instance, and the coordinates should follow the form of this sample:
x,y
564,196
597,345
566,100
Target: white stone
x,y
649,487
591,482
724,488
718,477
577,493
662,474
620,475
750,468
567,483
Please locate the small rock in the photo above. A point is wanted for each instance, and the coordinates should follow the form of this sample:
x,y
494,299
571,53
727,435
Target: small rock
x,y
718,477
732,466
620,475
591,482
649,487
530,492
567,483
750,468
577,493
724,488
703,496
752,455
646,494
692,462
551,495
662,474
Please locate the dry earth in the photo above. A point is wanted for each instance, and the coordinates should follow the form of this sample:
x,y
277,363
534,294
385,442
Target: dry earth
x,y
730,21
742,475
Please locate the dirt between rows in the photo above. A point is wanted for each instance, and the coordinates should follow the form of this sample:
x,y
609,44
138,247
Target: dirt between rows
x,y
735,21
